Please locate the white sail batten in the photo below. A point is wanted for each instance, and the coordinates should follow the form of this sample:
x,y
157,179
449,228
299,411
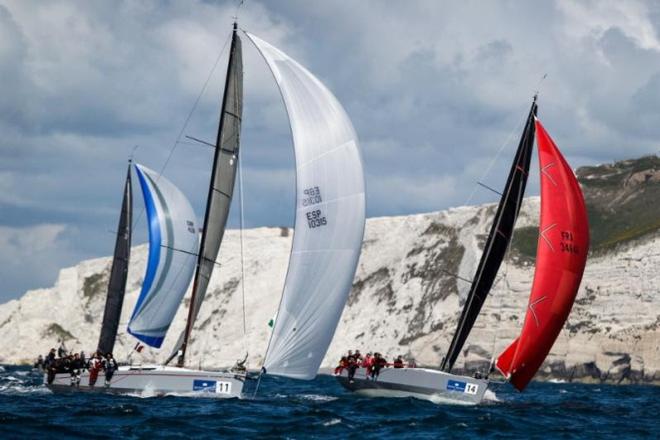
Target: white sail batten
x,y
330,217
173,246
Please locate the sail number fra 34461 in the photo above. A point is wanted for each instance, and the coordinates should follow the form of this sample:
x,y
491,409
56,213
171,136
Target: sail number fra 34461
x,y
567,244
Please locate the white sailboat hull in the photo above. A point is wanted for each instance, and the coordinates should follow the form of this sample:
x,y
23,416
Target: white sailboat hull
x,y
421,383
155,380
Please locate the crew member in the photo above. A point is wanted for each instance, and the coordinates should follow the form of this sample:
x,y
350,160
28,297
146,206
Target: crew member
x,y
94,368
110,366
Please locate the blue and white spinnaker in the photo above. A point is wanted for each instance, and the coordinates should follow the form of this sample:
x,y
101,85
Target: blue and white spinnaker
x,y
173,248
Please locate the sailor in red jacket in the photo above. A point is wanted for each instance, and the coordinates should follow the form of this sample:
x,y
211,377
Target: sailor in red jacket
x,y
94,368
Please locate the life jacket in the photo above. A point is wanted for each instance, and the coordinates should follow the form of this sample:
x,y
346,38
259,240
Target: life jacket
x,y
95,365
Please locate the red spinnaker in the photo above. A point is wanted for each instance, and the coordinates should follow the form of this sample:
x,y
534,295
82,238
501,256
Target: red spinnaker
x,y
560,260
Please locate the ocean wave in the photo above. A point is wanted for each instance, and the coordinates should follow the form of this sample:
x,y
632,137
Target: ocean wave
x,y
23,389
296,409
317,397
490,396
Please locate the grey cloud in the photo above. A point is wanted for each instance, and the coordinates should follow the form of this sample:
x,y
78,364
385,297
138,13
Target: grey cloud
x,y
434,90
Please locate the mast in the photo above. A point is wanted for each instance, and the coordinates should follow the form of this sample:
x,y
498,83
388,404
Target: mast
x,y
221,187
498,240
119,271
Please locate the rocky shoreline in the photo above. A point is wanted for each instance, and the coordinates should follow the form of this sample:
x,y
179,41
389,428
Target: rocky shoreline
x,y
406,298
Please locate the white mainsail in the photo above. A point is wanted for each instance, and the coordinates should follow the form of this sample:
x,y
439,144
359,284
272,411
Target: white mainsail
x,y
329,225
173,246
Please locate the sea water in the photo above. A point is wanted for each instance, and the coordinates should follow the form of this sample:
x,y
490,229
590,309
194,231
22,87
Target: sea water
x,y
322,409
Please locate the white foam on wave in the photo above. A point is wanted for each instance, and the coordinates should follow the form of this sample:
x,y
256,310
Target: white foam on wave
x,y
442,400
149,394
332,422
198,395
490,396
24,389
318,397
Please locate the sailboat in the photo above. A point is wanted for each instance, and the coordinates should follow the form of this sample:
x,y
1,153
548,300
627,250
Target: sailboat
x,y
116,284
329,220
329,228
173,245
560,261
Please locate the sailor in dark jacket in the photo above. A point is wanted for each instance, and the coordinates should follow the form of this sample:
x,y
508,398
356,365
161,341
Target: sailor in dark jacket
x,y
110,366
50,358
75,368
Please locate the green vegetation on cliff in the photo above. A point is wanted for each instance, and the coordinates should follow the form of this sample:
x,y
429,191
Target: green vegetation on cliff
x,y
623,203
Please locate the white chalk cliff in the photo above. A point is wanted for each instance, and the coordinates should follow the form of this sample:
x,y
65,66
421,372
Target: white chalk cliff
x,y
405,299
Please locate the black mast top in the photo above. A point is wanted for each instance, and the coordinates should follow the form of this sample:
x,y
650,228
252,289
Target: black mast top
x,y
497,242
119,271
221,187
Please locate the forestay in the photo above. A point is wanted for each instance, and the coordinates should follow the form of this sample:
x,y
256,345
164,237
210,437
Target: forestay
x,y
173,246
329,225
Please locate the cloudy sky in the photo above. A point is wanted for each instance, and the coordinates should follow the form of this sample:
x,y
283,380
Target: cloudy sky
x,y
434,89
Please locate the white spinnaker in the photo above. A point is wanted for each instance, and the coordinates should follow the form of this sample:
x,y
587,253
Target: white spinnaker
x,y
173,246
330,216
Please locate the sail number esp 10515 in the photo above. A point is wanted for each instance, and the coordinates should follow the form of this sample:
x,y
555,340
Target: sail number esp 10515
x,y
315,218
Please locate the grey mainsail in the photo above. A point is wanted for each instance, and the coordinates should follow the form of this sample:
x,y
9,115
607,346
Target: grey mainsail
x,y
498,241
223,176
119,271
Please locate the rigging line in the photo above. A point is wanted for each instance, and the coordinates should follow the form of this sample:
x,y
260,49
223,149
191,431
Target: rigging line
x,y
507,141
242,224
256,388
490,188
192,138
504,277
238,7
194,254
456,276
187,120
538,85
158,304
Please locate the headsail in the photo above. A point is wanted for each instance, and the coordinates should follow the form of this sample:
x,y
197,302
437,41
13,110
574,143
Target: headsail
x,y
223,176
560,261
173,246
119,271
329,225
497,242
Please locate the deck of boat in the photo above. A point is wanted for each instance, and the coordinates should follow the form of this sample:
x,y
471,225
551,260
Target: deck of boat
x,y
421,383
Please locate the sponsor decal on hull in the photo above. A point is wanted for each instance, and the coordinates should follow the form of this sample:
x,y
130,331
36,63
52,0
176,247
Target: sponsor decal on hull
x,y
204,385
462,387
